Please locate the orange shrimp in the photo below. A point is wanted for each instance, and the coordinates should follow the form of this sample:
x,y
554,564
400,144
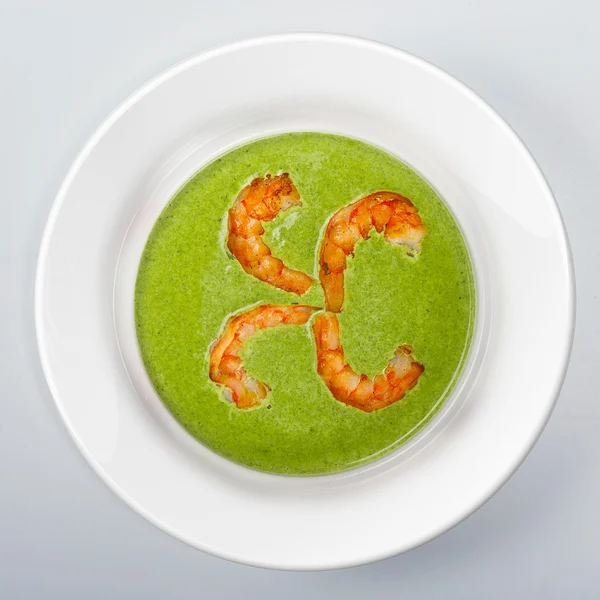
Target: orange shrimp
x,y
225,362
262,200
389,212
347,386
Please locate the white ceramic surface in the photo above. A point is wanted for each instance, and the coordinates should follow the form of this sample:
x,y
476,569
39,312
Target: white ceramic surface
x,y
153,143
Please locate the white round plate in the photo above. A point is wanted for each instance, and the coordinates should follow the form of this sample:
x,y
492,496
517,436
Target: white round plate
x,y
197,110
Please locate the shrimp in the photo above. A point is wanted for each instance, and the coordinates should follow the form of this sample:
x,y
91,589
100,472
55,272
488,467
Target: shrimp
x,y
389,212
347,386
225,366
261,201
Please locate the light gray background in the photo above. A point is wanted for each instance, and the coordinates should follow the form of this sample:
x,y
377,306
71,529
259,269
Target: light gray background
x,y
64,65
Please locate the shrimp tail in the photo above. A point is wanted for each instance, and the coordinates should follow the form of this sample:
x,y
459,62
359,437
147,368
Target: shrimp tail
x,y
400,375
386,212
225,363
260,201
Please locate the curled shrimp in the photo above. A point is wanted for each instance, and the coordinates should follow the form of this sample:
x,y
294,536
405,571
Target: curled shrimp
x,y
226,366
347,386
262,200
389,212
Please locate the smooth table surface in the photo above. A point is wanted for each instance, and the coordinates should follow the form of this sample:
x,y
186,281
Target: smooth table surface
x,y
64,66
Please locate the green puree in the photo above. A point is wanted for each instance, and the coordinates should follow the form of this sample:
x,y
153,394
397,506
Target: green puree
x,y
188,284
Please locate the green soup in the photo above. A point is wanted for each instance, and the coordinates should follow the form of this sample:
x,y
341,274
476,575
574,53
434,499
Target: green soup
x,y
188,284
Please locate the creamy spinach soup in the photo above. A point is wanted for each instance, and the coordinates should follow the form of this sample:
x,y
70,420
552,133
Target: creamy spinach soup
x,y
412,299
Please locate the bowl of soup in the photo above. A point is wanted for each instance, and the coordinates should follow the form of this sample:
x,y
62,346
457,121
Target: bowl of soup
x,y
304,302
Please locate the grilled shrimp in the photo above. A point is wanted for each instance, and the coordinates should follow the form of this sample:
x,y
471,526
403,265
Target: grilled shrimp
x,y
347,386
225,362
262,200
389,212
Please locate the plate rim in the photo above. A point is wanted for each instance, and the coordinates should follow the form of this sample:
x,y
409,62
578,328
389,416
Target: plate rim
x,y
207,55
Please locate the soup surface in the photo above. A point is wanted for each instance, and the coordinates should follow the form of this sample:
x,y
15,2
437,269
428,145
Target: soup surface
x,y
189,284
